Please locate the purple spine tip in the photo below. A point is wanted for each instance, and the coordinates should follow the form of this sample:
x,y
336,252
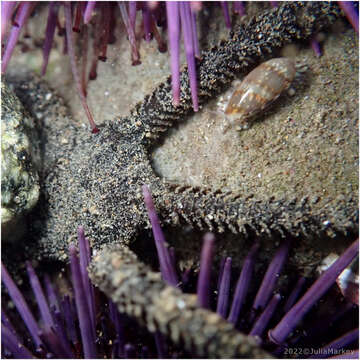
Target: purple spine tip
x,y
316,47
130,28
196,6
147,21
351,13
129,351
294,294
224,290
166,264
316,291
239,8
271,276
89,11
70,42
242,285
203,285
263,320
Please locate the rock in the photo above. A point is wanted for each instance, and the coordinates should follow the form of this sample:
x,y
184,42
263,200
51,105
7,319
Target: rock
x,y
20,161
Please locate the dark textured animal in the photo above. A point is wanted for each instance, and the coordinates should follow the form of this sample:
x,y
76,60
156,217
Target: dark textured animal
x,y
101,189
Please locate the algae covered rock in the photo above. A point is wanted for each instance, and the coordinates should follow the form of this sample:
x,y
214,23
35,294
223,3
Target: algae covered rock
x,y
20,160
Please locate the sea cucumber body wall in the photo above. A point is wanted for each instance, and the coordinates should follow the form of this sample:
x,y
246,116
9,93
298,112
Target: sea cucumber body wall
x,y
258,89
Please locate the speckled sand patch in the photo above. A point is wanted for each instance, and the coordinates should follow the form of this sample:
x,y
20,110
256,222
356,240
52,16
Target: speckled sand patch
x,y
305,145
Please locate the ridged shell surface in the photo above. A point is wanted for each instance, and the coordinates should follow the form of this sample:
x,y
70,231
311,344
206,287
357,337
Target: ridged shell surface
x,y
258,89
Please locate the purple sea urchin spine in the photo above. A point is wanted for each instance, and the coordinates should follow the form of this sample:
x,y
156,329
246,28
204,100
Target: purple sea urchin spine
x,y
271,276
132,14
294,294
167,270
242,285
351,13
186,25
84,52
195,34
12,343
196,6
105,32
21,306
6,322
172,10
147,21
87,331
87,10
161,345
84,252
10,339
90,6
53,344
239,8
120,330
40,297
340,343
262,322
78,16
7,9
117,271
221,271
203,285
318,289
49,34
129,351
225,9
69,317
135,56
22,14
69,38
224,290
60,330
316,47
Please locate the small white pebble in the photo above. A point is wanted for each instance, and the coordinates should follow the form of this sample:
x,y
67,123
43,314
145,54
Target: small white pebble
x,y
291,92
180,304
